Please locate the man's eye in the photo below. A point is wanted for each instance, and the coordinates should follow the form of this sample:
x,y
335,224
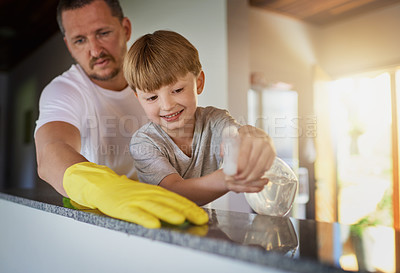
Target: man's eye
x,y
152,98
104,33
79,41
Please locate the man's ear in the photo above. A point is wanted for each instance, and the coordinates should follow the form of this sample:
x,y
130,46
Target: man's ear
x,y
200,82
126,24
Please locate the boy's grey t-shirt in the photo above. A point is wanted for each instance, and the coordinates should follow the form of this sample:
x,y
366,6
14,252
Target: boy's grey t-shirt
x,y
155,155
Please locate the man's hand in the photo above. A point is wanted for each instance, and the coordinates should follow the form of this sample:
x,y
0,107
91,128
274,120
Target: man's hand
x,y
97,186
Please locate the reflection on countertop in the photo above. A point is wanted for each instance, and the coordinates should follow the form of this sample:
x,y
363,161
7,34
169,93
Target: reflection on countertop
x,y
271,233
281,242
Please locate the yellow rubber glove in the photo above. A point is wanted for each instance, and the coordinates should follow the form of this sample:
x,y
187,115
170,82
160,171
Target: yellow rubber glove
x,y
97,186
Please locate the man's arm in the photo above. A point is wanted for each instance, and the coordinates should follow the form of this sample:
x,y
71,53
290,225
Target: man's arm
x,y
58,147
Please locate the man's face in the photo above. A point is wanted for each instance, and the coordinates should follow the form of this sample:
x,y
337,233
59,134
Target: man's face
x,y
96,40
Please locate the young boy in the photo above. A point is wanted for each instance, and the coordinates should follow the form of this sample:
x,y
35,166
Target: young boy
x,y
180,148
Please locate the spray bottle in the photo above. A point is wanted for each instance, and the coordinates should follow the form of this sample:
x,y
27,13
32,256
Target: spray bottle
x,y
277,197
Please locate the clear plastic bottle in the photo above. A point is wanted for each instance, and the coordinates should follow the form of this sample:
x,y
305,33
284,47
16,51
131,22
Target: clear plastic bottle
x,y
278,195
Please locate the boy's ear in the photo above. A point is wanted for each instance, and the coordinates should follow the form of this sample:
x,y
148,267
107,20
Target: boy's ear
x,y
200,82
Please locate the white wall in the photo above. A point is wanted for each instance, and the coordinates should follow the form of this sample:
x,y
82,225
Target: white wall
x,y
284,50
366,42
203,23
238,58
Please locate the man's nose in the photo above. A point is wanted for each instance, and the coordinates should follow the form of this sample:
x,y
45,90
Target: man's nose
x,y
95,48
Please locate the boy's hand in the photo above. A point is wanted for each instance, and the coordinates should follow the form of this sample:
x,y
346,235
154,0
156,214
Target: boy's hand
x,y
244,185
256,155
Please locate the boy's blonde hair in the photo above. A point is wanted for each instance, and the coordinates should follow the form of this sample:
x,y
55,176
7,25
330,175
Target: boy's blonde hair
x,y
159,59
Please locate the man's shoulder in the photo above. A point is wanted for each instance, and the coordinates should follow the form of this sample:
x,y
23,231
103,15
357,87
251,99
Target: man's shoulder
x,y
71,81
74,76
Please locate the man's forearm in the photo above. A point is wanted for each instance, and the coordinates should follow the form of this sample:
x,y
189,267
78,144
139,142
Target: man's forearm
x,y
57,148
53,160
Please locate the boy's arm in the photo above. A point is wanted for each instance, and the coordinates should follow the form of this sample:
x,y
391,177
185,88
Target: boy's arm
x,y
206,189
200,190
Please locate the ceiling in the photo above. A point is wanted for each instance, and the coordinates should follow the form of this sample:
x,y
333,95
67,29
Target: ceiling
x,y
27,24
321,12
24,26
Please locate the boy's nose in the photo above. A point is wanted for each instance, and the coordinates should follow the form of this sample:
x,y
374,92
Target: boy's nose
x,y
167,103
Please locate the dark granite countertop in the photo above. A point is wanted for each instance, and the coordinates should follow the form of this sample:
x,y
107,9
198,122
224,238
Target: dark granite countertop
x,y
280,242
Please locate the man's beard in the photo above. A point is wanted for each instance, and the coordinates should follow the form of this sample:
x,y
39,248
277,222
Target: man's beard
x,y
97,77
111,75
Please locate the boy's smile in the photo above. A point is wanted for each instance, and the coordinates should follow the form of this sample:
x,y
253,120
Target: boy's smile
x,y
173,106
173,116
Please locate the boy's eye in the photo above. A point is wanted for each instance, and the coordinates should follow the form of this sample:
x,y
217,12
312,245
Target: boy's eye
x,y
178,90
152,98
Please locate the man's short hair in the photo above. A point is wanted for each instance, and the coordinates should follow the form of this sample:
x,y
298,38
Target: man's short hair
x,y
64,5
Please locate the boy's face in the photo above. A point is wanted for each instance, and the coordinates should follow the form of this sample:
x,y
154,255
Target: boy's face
x,y
173,107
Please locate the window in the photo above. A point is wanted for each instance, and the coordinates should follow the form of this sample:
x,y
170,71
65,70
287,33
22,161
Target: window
x,y
362,141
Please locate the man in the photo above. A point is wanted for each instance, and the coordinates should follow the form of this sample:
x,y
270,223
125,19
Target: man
x,y
88,113
87,117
